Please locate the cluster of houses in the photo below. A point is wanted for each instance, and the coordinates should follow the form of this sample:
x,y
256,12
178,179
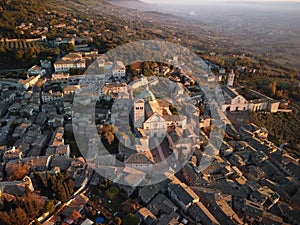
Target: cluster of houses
x,y
249,181
246,183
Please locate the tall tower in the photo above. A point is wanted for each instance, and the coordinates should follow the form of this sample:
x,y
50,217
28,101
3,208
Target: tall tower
x,y
230,79
139,113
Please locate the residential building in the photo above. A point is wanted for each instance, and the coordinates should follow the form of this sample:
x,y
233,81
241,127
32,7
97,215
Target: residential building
x,y
36,70
118,70
63,150
71,89
17,188
182,195
70,61
60,76
51,96
30,82
201,214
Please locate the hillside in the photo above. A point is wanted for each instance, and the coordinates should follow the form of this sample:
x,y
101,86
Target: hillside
x,y
15,12
132,4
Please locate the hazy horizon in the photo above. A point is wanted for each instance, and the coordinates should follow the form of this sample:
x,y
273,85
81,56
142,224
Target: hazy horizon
x,y
195,2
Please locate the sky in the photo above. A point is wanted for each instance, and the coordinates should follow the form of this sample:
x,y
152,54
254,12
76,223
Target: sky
x,y
211,1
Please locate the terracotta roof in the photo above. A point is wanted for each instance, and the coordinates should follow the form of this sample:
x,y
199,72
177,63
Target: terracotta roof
x,y
138,159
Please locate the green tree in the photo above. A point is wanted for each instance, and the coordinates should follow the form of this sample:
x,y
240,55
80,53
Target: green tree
x,y
62,196
49,207
67,189
40,181
67,47
49,182
131,219
112,192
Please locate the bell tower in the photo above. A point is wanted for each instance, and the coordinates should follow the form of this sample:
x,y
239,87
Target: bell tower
x,y
139,113
230,79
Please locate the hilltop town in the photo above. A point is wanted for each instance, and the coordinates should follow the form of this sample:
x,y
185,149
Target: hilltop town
x,y
85,139
249,181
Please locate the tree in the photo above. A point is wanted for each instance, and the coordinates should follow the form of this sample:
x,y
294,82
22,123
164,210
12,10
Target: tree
x,y
67,47
201,109
49,206
2,50
108,133
70,184
5,218
49,181
118,221
6,205
37,206
131,219
148,72
279,93
17,171
40,181
112,192
27,191
109,136
20,217
293,73
28,207
173,110
37,222
19,54
62,196
68,192
273,87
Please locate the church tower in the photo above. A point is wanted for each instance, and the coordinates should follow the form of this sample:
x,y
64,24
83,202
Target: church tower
x,y
230,79
139,113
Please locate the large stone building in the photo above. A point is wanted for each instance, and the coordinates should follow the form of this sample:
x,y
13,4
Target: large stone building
x,y
234,101
153,116
30,82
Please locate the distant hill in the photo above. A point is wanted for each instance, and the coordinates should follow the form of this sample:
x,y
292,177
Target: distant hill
x,y
16,12
121,1
133,4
